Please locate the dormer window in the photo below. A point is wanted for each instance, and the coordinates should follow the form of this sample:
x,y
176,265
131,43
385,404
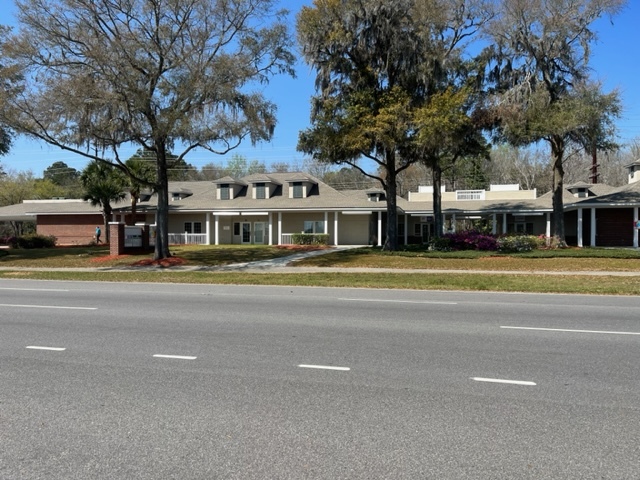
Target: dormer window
x,y
297,189
260,191
224,191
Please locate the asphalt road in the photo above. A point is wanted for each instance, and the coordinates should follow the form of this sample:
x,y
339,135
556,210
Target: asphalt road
x,y
156,381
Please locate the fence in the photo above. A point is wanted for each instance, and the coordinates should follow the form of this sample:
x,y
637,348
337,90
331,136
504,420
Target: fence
x,y
187,239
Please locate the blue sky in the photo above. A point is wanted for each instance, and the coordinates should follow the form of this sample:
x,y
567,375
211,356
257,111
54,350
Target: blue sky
x,y
615,61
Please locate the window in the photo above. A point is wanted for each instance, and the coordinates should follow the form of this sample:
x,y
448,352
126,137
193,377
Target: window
x,y
236,228
313,227
224,191
193,227
297,189
260,191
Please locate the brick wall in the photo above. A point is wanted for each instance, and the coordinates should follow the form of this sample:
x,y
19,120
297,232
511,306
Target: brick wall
x,y
71,229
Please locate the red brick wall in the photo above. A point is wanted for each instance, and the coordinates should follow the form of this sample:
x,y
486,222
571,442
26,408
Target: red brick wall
x,y
71,229
614,227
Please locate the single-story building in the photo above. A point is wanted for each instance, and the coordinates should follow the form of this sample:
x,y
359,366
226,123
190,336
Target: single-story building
x,y
270,208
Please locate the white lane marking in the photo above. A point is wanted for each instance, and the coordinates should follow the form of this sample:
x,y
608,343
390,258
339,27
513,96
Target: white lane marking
x,y
177,357
54,349
427,302
35,289
46,306
499,380
325,367
603,332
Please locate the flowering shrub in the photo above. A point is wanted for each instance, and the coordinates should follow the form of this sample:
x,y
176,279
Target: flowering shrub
x,y
466,240
474,240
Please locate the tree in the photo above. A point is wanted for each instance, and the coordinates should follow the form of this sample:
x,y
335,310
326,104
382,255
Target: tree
x,y
61,174
103,186
363,53
139,175
92,76
378,64
539,66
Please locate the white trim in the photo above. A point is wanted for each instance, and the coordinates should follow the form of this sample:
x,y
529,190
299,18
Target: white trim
x,y
593,227
636,231
380,243
257,214
217,230
224,213
335,228
270,227
367,212
279,228
208,227
580,227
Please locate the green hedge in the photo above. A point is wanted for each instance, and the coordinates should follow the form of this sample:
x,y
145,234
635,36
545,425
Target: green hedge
x,y
34,241
310,239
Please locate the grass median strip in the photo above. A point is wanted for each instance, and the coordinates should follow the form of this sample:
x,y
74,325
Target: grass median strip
x,y
539,283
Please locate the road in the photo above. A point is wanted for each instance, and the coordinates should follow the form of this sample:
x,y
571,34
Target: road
x,y
156,381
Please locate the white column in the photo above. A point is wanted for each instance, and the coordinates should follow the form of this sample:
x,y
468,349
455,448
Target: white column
x,y
406,229
216,228
593,227
453,223
207,228
580,243
279,228
548,232
270,228
504,222
635,230
379,228
326,222
335,228
494,224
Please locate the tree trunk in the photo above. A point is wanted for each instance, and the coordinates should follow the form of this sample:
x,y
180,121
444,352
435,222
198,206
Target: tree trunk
x,y
557,220
436,176
391,188
162,217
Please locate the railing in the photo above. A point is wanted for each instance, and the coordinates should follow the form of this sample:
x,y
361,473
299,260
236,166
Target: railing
x,y
286,239
187,239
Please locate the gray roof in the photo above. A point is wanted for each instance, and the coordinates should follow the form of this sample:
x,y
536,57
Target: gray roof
x,y
28,210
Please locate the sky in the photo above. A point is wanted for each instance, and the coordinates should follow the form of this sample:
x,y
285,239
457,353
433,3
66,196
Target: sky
x,y
615,61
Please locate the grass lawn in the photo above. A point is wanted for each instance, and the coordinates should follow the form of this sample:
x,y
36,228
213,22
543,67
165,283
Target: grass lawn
x,y
569,260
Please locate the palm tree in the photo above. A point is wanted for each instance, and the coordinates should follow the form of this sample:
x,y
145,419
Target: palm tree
x,y
141,174
102,185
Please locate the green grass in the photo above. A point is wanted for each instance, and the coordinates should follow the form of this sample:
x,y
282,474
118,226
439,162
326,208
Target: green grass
x,y
603,285
567,260
90,257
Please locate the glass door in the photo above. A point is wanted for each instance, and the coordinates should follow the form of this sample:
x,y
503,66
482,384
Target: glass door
x,y
258,233
246,232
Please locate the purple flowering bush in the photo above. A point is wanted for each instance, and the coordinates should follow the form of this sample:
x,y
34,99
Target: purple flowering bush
x,y
465,240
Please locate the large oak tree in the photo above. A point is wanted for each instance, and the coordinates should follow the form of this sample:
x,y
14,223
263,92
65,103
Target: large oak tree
x,y
91,76
539,66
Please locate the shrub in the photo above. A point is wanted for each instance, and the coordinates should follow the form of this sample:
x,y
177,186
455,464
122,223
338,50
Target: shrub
x,y
468,240
8,241
520,243
35,241
310,239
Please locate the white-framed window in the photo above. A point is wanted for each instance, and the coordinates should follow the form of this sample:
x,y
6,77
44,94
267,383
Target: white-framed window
x,y
261,191
297,189
311,226
224,191
193,227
